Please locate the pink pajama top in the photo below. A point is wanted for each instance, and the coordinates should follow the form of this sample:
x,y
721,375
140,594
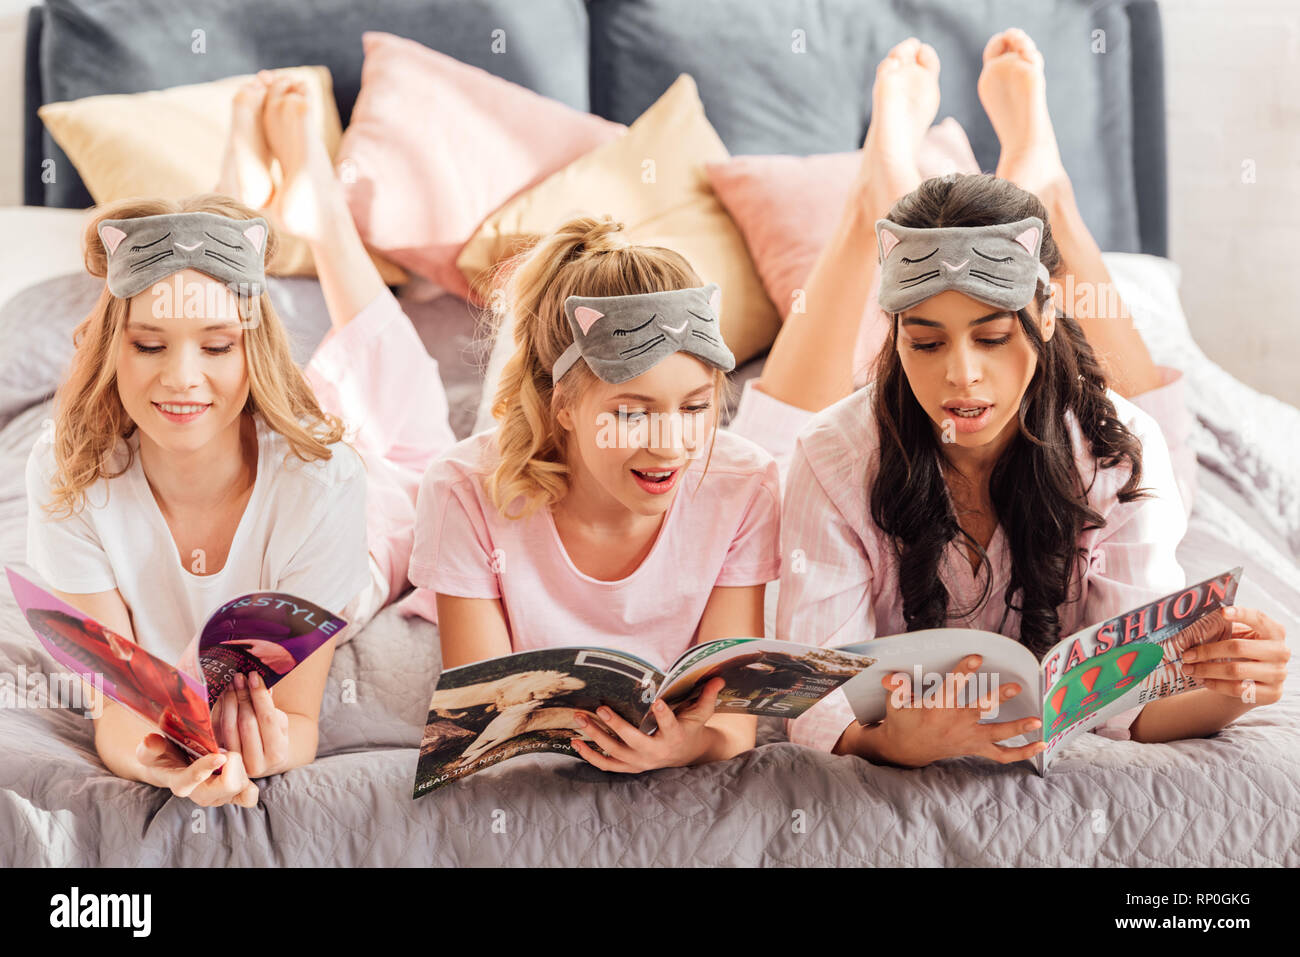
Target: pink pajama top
x,y
843,587
721,529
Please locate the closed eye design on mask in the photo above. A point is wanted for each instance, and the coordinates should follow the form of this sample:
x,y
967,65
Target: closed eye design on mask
x,y
153,253
624,332
143,246
640,347
912,262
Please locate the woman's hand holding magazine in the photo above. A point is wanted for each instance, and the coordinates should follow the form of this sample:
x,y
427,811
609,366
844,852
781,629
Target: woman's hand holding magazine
x,y
917,731
683,737
210,781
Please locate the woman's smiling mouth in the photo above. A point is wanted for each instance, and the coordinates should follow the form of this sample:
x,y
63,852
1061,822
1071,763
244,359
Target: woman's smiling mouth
x,y
181,412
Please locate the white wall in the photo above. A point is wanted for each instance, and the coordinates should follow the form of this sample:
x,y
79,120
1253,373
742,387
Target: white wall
x,y
1233,93
1233,90
13,32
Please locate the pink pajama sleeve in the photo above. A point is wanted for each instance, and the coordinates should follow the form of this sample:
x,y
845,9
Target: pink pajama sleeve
x,y
1167,404
376,375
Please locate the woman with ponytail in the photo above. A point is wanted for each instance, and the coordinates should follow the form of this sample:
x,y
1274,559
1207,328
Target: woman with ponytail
x,y
989,477
605,508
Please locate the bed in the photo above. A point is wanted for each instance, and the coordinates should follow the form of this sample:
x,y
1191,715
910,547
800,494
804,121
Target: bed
x,y
1226,801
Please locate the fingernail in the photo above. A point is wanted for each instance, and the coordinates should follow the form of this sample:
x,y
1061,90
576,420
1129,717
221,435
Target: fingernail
x,y
603,712
972,662
1230,611
239,681
1035,724
579,720
1189,669
255,680
1189,655
659,706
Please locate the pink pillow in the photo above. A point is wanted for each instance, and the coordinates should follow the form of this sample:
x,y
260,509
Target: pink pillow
x,y
436,145
786,207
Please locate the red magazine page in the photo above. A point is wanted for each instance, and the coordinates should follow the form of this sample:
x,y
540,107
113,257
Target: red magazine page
x,y
170,699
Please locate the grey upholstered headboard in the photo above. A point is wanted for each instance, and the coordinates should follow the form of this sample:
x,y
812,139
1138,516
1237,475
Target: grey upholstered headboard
x,y
776,76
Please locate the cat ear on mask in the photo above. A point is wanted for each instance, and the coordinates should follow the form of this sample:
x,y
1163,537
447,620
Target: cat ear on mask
x,y
256,234
1029,240
586,317
887,238
111,237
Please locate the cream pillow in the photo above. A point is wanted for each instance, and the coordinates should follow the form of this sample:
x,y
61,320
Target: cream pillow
x,y
169,144
653,179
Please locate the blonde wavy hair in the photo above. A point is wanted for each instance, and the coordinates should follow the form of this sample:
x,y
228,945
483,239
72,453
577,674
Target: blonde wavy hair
x,y
90,420
584,257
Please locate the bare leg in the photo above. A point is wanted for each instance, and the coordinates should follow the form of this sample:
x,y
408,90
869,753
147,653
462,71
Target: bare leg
x,y
309,202
1013,89
811,363
246,165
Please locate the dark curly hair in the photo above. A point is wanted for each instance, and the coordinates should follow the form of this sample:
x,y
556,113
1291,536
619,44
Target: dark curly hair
x,y
1035,486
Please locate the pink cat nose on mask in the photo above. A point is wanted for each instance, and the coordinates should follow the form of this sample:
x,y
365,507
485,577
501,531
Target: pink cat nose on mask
x,y
953,268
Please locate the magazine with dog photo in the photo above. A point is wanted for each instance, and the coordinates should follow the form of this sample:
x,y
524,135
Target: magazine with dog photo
x,y
269,633
488,711
1085,679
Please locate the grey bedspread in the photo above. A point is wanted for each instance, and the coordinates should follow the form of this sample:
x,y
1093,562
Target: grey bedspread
x,y
1230,800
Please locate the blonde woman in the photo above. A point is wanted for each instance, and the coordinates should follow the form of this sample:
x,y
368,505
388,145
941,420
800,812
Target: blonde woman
x,y
606,508
190,463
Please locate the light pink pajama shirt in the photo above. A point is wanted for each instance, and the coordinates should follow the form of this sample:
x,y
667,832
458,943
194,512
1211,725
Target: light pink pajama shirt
x,y
721,529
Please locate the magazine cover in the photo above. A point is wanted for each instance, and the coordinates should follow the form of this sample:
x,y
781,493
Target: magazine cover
x,y
1128,661
266,632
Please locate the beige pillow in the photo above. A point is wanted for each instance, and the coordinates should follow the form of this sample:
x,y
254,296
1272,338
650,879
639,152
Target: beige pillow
x,y
169,144
652,178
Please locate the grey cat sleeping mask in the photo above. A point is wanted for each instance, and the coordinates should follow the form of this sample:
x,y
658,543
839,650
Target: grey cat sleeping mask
x,y
997,264
620,337
143,250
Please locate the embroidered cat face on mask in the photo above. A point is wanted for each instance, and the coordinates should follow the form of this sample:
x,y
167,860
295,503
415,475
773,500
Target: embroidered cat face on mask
x,y
997,264
143,250
620,337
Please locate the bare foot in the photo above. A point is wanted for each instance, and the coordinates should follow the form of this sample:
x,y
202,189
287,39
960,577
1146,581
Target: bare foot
x,y
246,165
306,194
904,102
1013,89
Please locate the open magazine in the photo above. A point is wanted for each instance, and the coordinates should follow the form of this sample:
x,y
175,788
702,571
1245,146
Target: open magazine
x,y
1085,679
488,711
265,632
